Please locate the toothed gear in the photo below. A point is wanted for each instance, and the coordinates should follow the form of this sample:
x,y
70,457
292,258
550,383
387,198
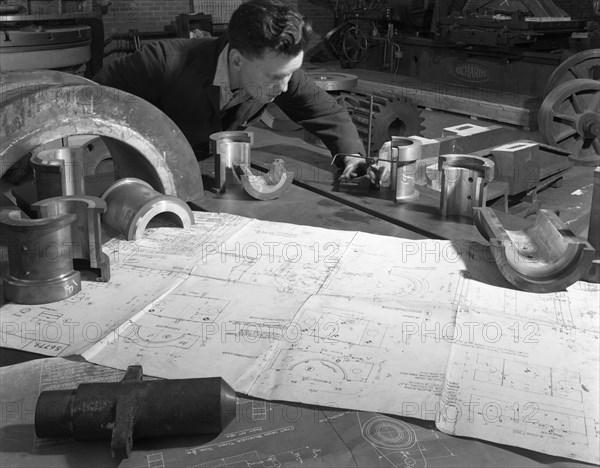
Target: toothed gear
x,y
392,116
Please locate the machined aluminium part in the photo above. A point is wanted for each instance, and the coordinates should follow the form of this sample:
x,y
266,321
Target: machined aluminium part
x,y
229,148
593,274
40,258
135,408
267,186
86,233
405,152
544,256
464,183
40,107
585,64
59,172
132,203
570,118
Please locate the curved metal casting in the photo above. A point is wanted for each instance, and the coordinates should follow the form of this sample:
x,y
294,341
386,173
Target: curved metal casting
x,y
267,186
132,203
544,256
142,140
405,152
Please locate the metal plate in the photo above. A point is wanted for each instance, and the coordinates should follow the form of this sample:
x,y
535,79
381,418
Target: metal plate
x,y
331,81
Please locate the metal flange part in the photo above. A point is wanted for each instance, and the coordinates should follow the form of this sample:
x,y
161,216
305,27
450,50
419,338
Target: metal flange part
x,y
40,258
131,204
543,257
331,81
570,118
86,233
267,186
585,64
142,140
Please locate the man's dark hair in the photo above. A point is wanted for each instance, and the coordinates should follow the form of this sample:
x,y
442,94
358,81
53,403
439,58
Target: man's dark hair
x,y
260,25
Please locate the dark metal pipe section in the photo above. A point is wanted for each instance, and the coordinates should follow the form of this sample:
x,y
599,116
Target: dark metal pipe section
x,y
40,258
135,409
86,233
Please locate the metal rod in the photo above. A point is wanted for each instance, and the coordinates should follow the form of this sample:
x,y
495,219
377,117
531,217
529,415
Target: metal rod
x,y
370,126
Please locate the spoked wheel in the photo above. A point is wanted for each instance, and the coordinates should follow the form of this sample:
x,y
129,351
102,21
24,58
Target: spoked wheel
x,y
570,118
354,45
584,65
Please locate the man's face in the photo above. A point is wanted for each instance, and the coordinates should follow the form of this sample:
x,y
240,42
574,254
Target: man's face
x,y
264,77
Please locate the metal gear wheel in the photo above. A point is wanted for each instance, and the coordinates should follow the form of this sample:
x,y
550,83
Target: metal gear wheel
x,y
392,116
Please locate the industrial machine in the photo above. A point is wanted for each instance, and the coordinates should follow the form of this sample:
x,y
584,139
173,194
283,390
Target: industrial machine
x,y
52,35
518,47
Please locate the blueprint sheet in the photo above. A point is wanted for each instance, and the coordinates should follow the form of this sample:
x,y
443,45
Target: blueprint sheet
x,y
344,319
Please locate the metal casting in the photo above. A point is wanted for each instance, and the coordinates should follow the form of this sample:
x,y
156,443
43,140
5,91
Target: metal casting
x,y
131,204
40,258
267,186
142,140
464,183
86,233
59,172
331,81
136,409
229,148
593,274
388,116
585,64
570,118
543,256
405,152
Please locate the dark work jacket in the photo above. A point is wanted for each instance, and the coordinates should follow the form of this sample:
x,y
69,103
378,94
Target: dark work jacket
x,y
176,75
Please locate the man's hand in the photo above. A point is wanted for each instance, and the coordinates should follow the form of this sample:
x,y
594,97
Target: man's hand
x,y
357,166
354,166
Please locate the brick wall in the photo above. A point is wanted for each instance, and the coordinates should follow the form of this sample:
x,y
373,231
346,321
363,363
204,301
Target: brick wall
x,y
143,15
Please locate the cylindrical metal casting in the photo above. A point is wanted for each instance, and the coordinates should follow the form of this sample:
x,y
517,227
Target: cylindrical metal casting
x,y
40,258
133,408
229,148
131,203
86,232
464,183
405,152
59,172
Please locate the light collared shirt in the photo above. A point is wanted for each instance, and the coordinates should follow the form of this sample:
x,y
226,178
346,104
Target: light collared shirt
x,y
228,98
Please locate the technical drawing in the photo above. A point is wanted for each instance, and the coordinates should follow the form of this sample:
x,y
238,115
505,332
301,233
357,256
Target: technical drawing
x,y
184,308
324,367
302,278
334,326
542,420
393,440
544,380
403,284
149,337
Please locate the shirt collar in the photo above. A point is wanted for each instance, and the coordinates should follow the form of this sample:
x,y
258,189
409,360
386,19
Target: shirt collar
x,y
228,97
